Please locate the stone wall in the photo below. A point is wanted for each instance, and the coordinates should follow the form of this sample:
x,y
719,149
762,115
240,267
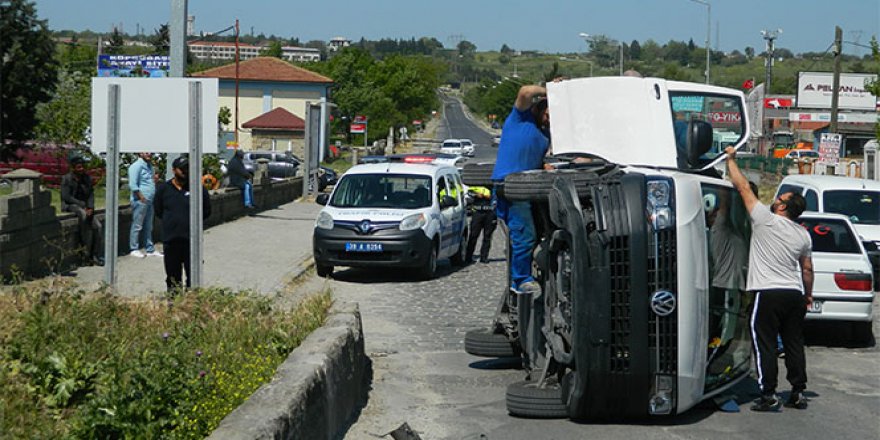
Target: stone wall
x,y
36,241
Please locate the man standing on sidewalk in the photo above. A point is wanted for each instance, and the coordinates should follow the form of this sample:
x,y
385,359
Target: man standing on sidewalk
x,y
779,261
143,189
172,206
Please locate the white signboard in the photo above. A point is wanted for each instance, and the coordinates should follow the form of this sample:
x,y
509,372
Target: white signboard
x,y
154,114
829,148
815,89
863,118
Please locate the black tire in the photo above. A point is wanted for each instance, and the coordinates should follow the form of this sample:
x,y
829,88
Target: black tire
x,y
486,343
526,399
324,271
430,268
535,185
863,332
478,174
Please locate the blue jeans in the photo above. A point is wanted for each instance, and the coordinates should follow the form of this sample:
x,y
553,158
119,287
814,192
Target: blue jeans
x,y
141,226
248,192
521,226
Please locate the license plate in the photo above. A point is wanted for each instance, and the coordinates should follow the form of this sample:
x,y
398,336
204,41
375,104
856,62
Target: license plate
x,y
363,247
815,307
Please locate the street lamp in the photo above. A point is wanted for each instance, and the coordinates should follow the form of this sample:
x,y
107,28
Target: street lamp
x,y
587,36
708,31
770,36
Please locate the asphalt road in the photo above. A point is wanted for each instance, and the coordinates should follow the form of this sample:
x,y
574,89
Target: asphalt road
x,y
414,333
457,125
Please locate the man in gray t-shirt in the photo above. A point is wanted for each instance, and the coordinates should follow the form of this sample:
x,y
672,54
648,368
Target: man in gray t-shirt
x,y
780,263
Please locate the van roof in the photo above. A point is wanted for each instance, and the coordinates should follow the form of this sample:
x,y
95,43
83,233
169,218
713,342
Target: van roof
x,y
832,182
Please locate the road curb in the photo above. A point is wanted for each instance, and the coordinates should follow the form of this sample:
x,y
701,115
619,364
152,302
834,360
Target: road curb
x,y
315,392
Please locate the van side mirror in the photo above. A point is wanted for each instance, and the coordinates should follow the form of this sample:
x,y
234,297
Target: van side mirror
x,y
447,202
322,199
699,141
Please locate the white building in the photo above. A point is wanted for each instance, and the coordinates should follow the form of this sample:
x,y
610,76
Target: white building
x,y
338,43
300,54
221,50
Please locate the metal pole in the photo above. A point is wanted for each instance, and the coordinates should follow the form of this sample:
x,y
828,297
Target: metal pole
x,y
835,83
177,68
111,211
307,154
621,57
237,60
708,35
323,139
195,184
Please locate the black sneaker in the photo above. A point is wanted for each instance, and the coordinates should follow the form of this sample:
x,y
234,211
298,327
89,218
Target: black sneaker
x,y
796,400
767,404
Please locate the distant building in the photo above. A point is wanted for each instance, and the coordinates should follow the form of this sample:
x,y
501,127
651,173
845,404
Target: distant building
x,y
338,43
300,54
271,101
221,50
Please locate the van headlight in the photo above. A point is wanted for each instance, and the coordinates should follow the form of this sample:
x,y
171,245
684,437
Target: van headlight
x,y
324,221
661,203
414,221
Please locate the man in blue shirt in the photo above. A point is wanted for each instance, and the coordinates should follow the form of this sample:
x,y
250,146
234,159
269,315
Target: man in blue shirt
x,y
143,188
524,143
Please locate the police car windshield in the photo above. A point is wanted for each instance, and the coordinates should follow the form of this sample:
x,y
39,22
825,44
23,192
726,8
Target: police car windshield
x,y
401,191
862,207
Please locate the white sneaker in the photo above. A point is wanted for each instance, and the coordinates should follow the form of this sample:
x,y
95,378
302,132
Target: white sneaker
x,y
137,254
155,254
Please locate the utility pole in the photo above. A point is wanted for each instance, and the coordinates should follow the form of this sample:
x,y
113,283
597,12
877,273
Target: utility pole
x,y
835,84
770,36
177,55
708,32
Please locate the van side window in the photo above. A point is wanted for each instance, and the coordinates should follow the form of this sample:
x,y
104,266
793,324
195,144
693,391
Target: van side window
x,y
812,200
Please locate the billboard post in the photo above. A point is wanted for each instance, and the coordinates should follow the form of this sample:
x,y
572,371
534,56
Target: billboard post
x,y
111,217
195,184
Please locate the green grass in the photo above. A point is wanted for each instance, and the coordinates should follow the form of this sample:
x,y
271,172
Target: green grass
x,y
77,364
100,197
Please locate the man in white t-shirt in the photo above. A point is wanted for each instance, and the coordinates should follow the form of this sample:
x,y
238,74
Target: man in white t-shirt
x,y
779,263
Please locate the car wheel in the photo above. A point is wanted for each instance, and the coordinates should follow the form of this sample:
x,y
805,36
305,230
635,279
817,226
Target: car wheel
x,y
863,332
430,267
528,399
487,343
478,174
323,270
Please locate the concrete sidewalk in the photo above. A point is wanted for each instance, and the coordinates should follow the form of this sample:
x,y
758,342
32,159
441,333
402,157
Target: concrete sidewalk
x,y
260,253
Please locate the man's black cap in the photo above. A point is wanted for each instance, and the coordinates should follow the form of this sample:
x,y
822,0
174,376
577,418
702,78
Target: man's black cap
x,y
181,163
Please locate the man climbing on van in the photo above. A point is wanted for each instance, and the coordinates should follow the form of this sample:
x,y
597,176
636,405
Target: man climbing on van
x,y
779,261
525,139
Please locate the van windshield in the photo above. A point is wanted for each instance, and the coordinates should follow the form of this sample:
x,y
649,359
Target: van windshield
x,y
862,207
402,191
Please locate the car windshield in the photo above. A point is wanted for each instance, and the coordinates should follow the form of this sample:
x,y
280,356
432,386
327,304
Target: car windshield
x,y
862,207
451,144
404,191
831,235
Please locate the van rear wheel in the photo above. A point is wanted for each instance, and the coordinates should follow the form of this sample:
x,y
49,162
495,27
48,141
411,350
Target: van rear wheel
x,y
529,399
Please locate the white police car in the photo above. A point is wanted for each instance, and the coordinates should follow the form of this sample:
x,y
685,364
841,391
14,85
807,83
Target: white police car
x,y
396,214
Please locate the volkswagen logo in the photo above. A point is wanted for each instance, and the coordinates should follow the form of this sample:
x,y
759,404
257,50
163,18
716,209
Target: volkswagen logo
x,y
365,226
663,302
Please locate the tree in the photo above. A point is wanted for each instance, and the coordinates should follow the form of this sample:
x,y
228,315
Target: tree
x,y
115,44
466,48
506,50
750,52
161,40
66,117
29,69
874,86
635,50
273,50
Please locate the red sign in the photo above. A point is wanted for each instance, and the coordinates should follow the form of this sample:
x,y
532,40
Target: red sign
x,y
778,102
417,122
725,117
360,119
748,84
358,128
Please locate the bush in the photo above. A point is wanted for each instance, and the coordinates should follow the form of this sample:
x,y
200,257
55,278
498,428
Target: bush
x,y
97,366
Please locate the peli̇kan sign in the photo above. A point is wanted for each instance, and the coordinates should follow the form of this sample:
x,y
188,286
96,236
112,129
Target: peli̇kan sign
x,y
815,89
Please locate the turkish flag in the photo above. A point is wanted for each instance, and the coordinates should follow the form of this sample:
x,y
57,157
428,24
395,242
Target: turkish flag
x,y
748,84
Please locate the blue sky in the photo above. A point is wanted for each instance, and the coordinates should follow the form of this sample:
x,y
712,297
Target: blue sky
x,y
549,25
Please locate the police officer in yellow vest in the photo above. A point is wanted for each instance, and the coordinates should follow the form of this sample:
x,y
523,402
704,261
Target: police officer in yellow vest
x,y
483,220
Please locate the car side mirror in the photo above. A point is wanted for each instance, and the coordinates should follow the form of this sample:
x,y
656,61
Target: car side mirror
x,y
699,141
322,199
447,202
870,246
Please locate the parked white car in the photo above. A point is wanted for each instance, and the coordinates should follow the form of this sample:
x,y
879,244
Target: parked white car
x,y
467,147
802,154
842,287
393,214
